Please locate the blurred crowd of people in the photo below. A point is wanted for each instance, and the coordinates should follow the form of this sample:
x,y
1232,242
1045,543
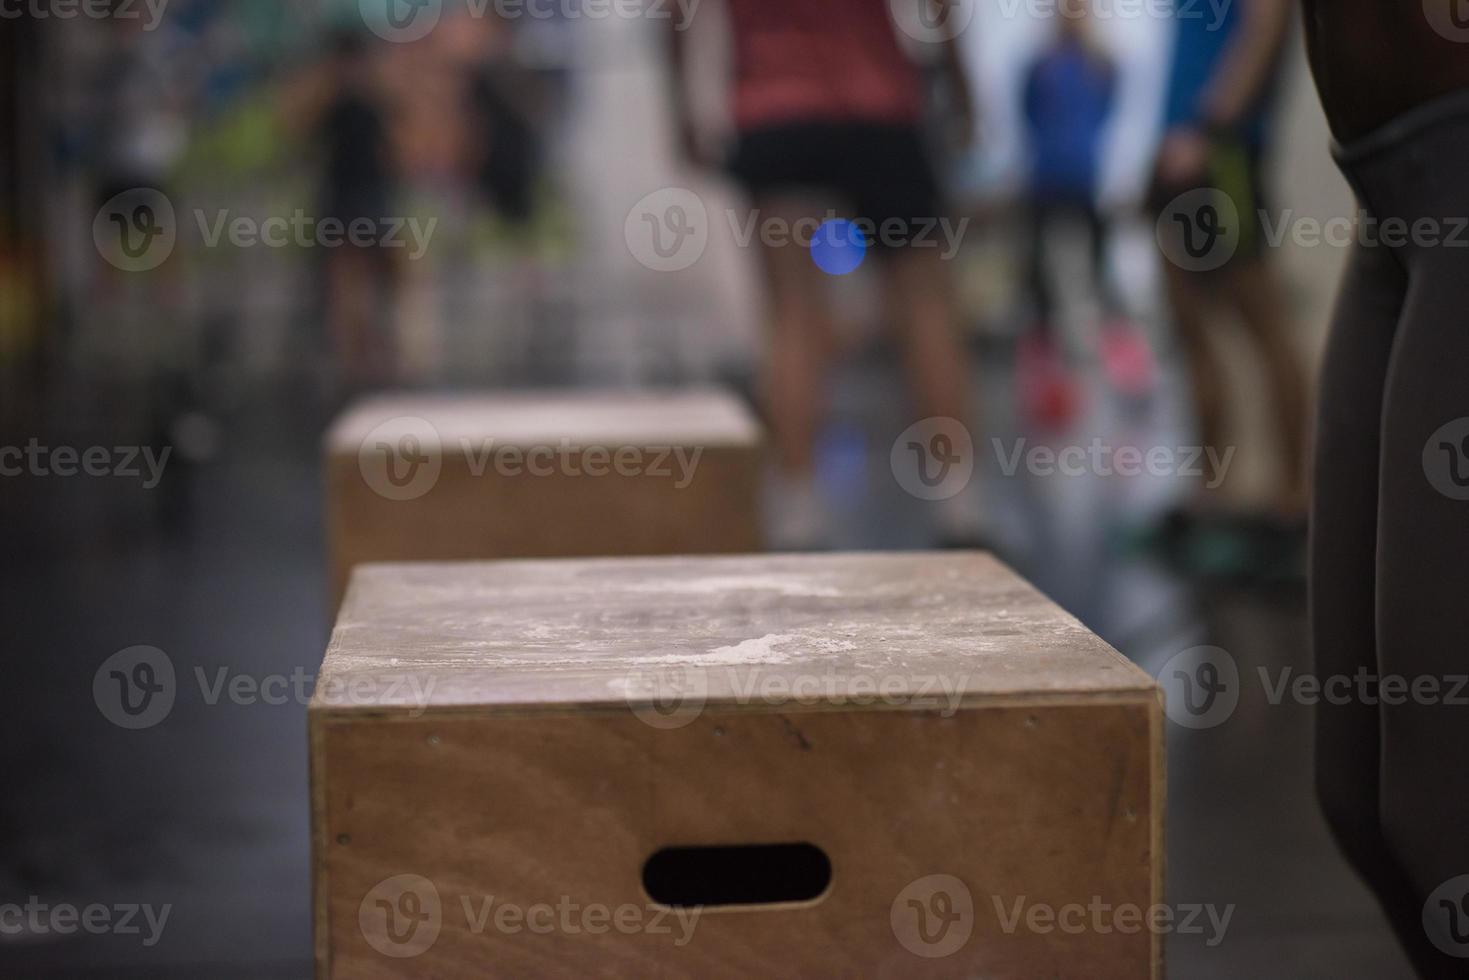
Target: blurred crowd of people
x,y
844,109
461,122
866,112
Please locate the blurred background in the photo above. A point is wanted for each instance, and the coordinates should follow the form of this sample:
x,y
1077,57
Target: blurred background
x,y
512,150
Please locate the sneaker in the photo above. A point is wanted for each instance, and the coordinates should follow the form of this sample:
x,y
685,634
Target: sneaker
x,y
1127,359
1049,397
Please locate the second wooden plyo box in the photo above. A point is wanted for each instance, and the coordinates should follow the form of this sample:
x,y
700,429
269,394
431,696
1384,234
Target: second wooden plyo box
x,y
807,766
540,474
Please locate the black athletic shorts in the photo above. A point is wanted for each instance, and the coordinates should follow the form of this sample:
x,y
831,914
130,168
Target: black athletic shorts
x,y
877,171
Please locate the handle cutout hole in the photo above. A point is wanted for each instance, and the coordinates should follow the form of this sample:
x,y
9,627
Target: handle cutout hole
x,y
742,874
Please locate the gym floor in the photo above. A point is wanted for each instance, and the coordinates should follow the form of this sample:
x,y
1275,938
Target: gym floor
x,y
221,567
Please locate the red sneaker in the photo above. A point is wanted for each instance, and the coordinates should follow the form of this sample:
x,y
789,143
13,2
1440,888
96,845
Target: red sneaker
x,y
1048,394
1127,359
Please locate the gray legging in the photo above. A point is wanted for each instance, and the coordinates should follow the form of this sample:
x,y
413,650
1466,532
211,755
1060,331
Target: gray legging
x,y
1390,538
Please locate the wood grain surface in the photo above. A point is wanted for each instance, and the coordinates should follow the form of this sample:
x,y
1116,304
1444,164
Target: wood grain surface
x,y
585,632
633,473
496,824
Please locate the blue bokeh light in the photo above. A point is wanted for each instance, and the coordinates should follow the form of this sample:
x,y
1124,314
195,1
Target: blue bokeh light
x,y
838,247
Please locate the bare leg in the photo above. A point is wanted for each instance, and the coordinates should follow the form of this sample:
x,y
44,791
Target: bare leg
x,y
1256,293
1189,300
800,341
921,293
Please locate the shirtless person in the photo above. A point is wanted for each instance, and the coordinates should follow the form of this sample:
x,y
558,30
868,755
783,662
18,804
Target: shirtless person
x,y
1390,525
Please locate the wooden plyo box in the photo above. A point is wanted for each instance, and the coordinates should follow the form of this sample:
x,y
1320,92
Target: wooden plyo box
x,y
793,766
540,475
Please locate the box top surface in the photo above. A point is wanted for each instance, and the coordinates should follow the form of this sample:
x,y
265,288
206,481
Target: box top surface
x,y
699,417
925,630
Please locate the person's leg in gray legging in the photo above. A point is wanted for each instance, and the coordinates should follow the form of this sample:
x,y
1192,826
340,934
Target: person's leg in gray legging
x,y
1423,533
1344,572
1390,551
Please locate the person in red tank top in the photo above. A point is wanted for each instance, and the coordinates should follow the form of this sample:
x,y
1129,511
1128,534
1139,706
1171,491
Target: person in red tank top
x,y
820,59
828,104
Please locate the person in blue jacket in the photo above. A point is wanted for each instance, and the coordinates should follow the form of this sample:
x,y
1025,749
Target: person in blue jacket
x,y
1208,192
